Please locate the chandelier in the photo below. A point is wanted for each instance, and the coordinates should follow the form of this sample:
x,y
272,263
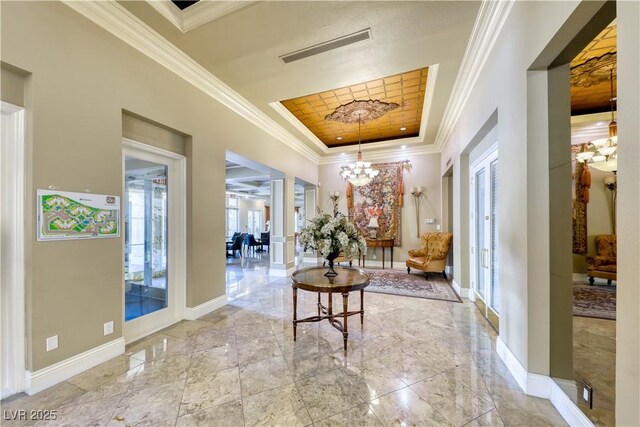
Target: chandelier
x,y
360,173
602,153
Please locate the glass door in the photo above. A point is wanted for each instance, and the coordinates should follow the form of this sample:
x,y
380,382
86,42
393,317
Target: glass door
x,y
149,264
484,232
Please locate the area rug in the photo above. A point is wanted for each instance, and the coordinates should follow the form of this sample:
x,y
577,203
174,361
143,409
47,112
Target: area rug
x,y
396,282
597,301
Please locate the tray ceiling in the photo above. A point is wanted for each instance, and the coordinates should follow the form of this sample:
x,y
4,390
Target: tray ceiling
x,y
590,87
407,89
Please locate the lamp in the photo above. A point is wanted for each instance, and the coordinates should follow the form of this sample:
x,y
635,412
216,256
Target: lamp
x,y
360,172
334,196
373,227
612,185
416,192
602,153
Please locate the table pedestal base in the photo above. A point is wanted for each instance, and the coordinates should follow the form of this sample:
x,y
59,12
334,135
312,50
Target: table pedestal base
x,y
325,312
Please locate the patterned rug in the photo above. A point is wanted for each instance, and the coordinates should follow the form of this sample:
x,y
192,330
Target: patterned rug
x,y
397,282
597,301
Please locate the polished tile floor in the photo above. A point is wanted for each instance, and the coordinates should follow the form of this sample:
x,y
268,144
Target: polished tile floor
x,y
415,362
594,361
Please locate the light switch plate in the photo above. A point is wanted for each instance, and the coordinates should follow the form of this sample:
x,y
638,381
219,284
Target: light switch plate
x,y
52,343
430,221
108,328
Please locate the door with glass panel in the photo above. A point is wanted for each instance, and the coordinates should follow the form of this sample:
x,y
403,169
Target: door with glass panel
x,y
149,297
484,236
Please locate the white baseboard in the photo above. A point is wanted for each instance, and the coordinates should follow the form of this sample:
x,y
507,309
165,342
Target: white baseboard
x,y
533,384
463,292
281,273
193,313
567,408
65,369
542,386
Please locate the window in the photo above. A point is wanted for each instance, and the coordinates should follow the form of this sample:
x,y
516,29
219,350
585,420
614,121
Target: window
x,y
232,221
254,222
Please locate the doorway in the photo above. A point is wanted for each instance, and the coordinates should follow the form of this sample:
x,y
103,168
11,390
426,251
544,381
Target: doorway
x,y
484,232
12,214
154,208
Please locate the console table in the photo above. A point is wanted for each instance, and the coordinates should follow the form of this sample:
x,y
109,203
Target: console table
x,y
380,243
313,279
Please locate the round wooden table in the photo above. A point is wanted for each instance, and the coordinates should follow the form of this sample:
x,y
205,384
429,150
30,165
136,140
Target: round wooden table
x,y
313,280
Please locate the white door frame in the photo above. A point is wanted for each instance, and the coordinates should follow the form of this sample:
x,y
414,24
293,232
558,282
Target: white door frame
x,y
482,161
12,270
177,245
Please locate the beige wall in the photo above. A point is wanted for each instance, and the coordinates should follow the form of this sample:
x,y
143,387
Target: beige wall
x,y
424,172
81,80
598,217
628,221
11,86
529,166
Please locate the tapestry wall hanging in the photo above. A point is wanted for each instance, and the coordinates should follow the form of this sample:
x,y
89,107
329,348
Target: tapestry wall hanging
x,y
381,198
582,183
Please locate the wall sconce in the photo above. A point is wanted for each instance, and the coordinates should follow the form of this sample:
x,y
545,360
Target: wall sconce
x,y
334,196
611,183
416,192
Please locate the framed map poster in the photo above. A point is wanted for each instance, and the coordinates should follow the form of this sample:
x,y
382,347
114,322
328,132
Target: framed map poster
x,y
68,216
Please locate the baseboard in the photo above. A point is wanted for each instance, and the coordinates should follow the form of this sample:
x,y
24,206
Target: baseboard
x,y
281,273
463,292
193,313
65,369
565,406
513,364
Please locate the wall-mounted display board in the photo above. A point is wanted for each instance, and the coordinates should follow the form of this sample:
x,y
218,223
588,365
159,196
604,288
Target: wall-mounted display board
x,y
66,216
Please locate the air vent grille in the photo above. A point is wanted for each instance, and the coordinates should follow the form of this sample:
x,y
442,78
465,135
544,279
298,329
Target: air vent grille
x,y
327,46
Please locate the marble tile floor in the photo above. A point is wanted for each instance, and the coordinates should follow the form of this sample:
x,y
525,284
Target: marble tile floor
x,y
415,362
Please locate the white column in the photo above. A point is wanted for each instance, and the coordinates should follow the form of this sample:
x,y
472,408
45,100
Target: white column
x,y
282,226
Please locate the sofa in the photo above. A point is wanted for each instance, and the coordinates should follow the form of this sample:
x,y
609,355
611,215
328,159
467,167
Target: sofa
x,y
432,256
603,264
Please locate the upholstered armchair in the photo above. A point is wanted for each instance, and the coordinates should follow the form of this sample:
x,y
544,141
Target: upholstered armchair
x,y
603,265
432,256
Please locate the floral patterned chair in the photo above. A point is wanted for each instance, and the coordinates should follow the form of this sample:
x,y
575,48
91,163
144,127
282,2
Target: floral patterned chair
x,y
603,265
432,257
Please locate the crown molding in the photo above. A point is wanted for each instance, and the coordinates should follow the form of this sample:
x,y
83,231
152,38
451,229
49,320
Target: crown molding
x,y
199,14
489,23
121,23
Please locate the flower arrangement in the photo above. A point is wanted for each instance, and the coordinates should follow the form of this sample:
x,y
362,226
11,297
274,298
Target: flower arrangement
x,y
330,235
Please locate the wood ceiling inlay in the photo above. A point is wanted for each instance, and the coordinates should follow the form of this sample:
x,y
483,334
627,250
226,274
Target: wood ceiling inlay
x,y
407,89
590,89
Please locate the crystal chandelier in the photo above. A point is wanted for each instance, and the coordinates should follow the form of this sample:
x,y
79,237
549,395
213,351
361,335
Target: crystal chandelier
x,y
602,153
360,173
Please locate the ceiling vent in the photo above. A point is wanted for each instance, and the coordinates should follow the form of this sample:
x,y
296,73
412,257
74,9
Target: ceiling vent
x,y
327,46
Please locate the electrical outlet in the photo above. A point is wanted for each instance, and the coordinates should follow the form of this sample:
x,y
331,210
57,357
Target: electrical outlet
x,y
587,394
108,328
52,343
438,227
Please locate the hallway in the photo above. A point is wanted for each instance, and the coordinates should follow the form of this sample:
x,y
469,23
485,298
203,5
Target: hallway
x,y
415,361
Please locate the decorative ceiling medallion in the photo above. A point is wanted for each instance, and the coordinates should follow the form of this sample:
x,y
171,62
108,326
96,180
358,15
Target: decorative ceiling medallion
x,y
361,111
594,71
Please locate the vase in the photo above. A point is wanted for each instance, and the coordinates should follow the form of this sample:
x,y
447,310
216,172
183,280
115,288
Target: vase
x,y
330,258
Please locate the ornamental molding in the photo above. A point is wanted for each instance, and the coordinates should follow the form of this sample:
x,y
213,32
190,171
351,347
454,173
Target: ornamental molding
x,y
594,71
487,28
198,14
361,111
127,27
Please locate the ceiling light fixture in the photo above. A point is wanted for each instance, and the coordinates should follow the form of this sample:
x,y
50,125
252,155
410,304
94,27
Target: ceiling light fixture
x,y
602,153
403,128
360,173
339,138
